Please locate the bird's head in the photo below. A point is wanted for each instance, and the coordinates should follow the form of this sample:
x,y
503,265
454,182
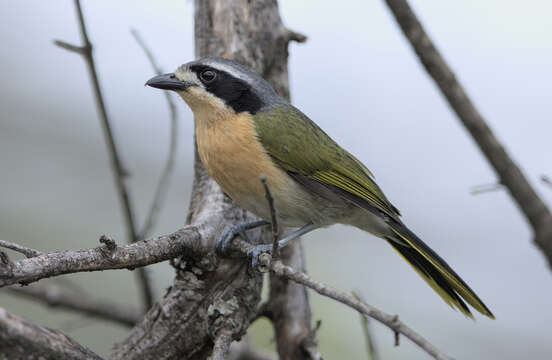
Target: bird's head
x,y
212,84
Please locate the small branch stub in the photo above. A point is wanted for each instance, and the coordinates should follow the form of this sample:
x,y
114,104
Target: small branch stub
x,y
28,252
108,242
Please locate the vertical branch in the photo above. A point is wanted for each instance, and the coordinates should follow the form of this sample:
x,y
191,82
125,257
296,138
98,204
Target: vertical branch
x,y
365,322
222,346
273,220
510,175
163,185
119,172
211,294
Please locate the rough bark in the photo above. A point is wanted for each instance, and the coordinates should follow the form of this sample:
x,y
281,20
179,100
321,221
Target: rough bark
x,y
141,253
209,294
531,205
213,295
20,339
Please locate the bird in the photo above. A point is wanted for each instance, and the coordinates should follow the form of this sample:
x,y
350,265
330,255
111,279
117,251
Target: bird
x,y
245,130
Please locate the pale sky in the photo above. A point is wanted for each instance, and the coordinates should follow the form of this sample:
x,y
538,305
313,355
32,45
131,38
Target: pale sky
x,y
359,80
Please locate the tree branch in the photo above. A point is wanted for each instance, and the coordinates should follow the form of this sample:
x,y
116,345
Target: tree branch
x,y
163,185
141,253
119,172
222,345
28,252
54,296
242,351
392,322
510,175
19,338
206,291
546,180
273,220
365,322
486,188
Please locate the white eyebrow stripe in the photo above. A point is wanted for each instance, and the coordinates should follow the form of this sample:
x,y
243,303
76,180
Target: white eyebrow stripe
x,y
230,70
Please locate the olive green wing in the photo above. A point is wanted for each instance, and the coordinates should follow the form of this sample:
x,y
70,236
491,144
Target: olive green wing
x,y
307,153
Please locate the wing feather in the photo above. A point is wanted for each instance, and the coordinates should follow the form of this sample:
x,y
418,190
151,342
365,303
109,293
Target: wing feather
x,y
300,147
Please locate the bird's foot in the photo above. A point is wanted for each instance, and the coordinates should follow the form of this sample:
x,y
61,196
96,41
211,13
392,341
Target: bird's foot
x,y
255,254
225,241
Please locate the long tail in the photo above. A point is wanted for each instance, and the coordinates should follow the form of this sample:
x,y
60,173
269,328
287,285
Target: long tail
x,y
435,271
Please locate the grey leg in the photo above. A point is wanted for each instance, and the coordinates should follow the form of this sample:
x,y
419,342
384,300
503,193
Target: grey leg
x,y
294,235
259,249
225,240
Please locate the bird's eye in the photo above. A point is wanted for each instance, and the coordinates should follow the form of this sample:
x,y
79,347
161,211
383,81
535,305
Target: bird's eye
x,y
208,76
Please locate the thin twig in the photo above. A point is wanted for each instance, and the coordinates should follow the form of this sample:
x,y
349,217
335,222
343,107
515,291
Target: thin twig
x,y
365,322
546,180
390,321
273,219
119,172
482,189
295,36
54,296
28,252
163,185
509,174
222,345
81,50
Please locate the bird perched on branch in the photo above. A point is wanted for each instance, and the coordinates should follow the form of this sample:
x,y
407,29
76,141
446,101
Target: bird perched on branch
x,y
244,129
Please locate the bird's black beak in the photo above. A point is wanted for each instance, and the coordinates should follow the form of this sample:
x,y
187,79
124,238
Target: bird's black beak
x,y
167,82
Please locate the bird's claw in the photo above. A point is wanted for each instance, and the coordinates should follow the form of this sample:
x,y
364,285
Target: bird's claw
x,y
255,254
224,242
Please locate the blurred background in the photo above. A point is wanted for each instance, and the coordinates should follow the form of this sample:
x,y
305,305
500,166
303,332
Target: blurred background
x,y
359,80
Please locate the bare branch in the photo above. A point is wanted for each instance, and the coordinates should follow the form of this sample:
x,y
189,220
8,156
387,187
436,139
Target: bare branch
x,y
20,339
141,253
149,54
390,321
510,175
482,189
222,345
163,185
119,172
250,33
295,36
365,322
241,350
81,50
54,296
546,180
28,252
273,220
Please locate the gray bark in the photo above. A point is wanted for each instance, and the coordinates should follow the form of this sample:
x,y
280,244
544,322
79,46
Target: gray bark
x,y
20,339
212,299
213,296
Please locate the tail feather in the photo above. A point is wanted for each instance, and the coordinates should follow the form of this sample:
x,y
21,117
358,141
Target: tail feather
x,y
435,271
